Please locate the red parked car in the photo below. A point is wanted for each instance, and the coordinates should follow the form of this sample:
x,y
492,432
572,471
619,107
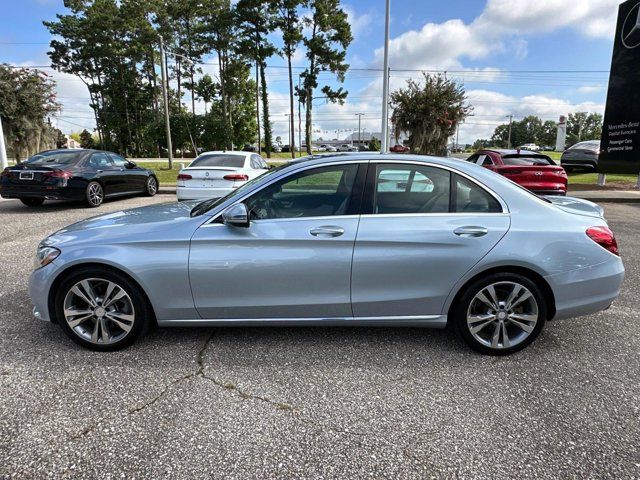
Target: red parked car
x,y
532,170
399,149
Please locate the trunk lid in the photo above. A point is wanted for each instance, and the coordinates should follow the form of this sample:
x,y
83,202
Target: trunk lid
x,y
577,206
207,177
533,173
32,175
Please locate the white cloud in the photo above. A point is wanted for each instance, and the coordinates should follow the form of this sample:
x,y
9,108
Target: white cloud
x,y
360,23
590,89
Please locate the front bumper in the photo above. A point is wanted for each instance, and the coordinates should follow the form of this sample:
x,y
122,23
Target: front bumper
x,y
40,282
587,290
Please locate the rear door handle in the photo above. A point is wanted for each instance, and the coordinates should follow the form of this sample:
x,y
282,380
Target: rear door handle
x,y
327,231
471,231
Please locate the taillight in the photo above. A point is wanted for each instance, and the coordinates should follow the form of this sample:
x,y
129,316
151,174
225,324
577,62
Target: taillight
x,y
603,237
184,176
512,172
59,174
237,177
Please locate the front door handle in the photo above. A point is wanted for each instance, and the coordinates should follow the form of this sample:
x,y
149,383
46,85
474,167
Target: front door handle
x,y
327,231
471,231
99,171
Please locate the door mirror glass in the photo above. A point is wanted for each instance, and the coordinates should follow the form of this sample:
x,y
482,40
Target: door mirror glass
x,y
236,216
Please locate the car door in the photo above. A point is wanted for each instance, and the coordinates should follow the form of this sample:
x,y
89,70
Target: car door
x,y
111,176
422,228
294,260
134,177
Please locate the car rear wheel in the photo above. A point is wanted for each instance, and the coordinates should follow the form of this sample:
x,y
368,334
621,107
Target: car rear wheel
x,y
94,195
32,202
101,309
500,314
152,186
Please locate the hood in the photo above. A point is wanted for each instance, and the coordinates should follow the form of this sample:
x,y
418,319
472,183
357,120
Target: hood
x,y
577,206
135,224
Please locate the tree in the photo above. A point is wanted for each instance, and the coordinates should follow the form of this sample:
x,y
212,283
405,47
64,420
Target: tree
x,y
329,36
289,23
59,138
481,143
206,90
374,145
583,126
86,140
28,98
256,22
429,112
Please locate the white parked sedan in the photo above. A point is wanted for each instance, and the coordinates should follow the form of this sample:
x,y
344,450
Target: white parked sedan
x,y
215,174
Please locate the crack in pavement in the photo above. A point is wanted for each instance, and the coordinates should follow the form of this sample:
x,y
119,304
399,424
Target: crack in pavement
x,y
245,395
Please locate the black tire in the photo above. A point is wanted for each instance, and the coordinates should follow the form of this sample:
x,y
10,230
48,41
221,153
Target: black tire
x,y
94,195
32,202
459,311
142,313
151,187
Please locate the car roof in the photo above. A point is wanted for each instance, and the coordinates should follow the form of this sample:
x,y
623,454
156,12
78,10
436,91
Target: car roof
x,y
228,152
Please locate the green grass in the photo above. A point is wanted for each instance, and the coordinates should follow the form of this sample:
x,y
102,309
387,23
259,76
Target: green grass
x,y
592,179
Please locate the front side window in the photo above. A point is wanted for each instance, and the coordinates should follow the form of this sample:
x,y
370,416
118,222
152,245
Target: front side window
x,y
317,192
118,161
100,160
411,189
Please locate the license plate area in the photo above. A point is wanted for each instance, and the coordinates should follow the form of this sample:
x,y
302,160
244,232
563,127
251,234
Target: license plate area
x,y
26,175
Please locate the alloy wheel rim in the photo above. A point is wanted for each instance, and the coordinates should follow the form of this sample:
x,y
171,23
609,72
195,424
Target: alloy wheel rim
x,y
95,194
99,311
152,187
502,315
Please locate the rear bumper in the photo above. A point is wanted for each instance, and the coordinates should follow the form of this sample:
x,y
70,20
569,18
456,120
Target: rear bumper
x,y
587,290
190,193
46,192
579,163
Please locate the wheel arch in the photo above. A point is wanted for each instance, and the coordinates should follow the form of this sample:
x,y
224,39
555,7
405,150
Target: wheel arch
x,y
532,275
80,266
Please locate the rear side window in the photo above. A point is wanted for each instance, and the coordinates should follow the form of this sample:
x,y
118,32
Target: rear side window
x,y
527,161
470,198
411,189
219,160
100,160
257,162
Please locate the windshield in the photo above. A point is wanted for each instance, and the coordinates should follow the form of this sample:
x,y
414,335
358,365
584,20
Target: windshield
x,y
56,157
207,205
219,160
541,160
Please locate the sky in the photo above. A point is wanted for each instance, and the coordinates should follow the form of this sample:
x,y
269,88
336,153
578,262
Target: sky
x,y
514,57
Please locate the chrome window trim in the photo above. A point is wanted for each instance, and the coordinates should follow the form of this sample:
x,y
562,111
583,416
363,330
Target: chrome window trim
x,y
498,198
305,167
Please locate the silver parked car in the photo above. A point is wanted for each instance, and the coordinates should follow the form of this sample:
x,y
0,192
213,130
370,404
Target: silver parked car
x,y
357,239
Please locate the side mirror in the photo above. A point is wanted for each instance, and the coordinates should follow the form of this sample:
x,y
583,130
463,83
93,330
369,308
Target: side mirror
x,y
131,164
236,216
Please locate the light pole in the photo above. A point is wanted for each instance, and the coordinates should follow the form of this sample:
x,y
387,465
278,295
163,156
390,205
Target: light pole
x,y
510,117
165,101
4,163
291,146
385,83
359,115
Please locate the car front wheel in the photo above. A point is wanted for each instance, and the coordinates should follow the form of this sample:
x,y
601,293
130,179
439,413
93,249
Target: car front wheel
x,y
101,309
500,314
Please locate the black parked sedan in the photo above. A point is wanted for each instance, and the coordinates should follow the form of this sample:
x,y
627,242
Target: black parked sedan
x,y
86,175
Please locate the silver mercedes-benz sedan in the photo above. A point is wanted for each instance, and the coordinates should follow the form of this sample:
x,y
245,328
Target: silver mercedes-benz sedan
x,y
351,239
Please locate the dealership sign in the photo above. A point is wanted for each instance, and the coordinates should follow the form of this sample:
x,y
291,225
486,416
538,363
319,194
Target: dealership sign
x,y
620,145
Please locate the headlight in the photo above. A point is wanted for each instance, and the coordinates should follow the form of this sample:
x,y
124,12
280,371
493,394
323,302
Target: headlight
x,y
44,256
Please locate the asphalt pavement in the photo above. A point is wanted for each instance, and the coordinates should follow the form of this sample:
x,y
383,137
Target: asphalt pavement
x,y
313,402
